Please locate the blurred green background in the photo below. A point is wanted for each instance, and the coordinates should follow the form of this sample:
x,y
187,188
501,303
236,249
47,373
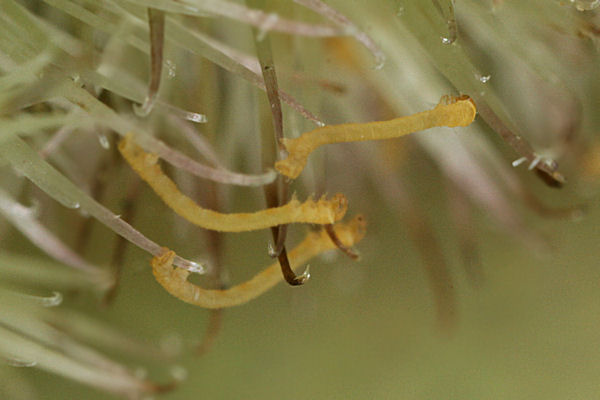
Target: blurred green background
x,y
528,329
367,329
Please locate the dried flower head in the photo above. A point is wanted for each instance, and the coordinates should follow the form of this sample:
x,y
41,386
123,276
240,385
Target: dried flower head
x,y
236,99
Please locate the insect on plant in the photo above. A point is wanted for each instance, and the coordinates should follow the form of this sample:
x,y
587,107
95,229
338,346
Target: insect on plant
x,y
174,280
145,165
450,112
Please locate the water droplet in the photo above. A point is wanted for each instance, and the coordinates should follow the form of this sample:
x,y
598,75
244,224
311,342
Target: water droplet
x,y
483,78
66,200
171,69
400,11
446,40
551,163
19,363
585,5
146,107
188,115
379,62
179,373
196,268
52,301
103,141
305,275
196,117
271,250
519,161
320,124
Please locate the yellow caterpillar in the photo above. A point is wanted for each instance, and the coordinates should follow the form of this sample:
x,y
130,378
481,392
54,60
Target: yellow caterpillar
x,y
174,280
450,112
323,211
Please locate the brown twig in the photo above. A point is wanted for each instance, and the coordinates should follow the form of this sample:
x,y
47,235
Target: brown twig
x,y
547,167
277,193
350,252
156,23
